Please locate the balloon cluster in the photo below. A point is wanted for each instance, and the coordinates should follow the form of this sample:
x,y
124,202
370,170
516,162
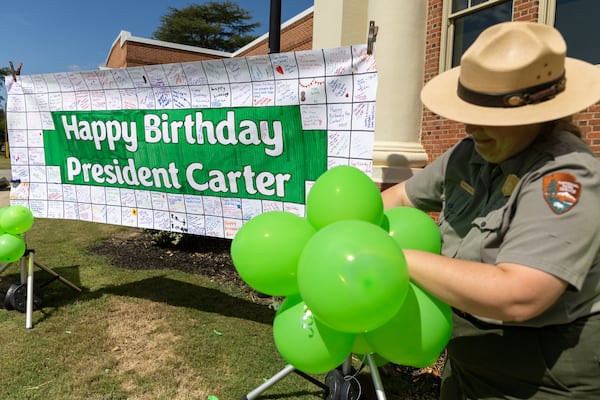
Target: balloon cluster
x,y
343,274
14,221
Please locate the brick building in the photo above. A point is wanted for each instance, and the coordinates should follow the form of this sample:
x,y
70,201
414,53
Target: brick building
x,y
431,34
438,134
131,51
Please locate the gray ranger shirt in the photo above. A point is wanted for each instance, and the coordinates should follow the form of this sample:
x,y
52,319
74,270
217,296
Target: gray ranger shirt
x,y
540,208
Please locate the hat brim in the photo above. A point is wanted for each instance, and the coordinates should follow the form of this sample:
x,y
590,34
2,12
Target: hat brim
x,y
582,90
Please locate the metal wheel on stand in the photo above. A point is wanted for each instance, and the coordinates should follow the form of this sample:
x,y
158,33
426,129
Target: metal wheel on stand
x,y
16,298
341,388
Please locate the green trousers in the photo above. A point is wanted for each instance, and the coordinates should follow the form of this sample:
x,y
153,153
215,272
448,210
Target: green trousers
x,y
487,361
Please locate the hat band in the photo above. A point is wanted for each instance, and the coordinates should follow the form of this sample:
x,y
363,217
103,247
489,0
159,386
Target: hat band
x,y
530,95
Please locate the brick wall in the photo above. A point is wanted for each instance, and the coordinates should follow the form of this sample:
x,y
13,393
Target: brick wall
x,y
145,54
135,54
437,133
117,57
294,37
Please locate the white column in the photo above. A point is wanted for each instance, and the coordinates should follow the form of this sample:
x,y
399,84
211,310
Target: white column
x,y
400,56
339,23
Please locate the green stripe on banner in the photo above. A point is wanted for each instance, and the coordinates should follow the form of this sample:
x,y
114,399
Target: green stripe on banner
x,y
247,152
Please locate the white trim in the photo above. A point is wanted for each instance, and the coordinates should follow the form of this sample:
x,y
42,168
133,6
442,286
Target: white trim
x,y
125,36
445,50
447,34
547,12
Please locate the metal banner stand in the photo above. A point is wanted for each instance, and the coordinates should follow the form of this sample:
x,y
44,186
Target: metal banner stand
x,y
376,378
16,294
336,386
288,369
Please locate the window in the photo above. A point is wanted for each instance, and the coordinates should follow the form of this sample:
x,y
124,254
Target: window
x,y
466,20
577,20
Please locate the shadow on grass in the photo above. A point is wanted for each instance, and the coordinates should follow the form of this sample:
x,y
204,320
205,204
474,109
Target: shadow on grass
x,y
55,294
293,395
182,294
46,284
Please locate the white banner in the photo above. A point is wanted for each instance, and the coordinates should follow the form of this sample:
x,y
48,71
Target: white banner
x,y
197,147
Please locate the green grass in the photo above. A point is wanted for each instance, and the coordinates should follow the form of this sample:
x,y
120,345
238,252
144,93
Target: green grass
x,y
157,334
143,335
4,162
152,334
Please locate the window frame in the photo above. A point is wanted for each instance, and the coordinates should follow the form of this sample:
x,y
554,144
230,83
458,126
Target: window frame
x,y
546,15
447,34
547,11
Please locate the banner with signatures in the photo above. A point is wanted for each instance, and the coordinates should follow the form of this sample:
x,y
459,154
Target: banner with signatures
x,y
197,147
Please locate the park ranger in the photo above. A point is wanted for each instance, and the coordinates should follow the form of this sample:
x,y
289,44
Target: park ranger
x,y
518,202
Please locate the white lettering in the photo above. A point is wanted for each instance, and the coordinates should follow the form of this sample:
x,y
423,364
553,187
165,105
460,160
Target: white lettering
x,y
265,183
159,128
129,174
99,132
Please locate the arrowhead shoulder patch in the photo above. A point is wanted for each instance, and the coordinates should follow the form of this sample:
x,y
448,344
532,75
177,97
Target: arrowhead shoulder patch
x,y
561,191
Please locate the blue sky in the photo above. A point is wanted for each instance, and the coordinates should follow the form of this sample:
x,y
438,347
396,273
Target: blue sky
x,y
76,35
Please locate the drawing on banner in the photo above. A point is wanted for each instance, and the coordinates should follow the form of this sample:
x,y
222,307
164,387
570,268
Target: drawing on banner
x,y
196,147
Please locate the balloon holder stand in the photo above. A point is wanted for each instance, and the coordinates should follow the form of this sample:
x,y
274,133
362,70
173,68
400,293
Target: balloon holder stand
x,y
21,296
336,386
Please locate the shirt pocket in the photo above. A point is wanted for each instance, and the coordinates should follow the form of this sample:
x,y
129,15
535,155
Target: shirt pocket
x,y
488,232
454,221
456,204
491,222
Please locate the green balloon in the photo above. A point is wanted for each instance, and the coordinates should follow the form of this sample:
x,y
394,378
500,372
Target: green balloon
x,y
361,346
417,334
2,209
413,229
12,247
16,219
265,251
341,193
377,359
353,276
304,342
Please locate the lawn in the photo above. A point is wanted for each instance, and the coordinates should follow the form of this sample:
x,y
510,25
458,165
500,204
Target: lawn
x,y
150,334
158,334
142,334
4,162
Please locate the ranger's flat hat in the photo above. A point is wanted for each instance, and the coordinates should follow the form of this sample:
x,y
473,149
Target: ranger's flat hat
x,y
515,73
